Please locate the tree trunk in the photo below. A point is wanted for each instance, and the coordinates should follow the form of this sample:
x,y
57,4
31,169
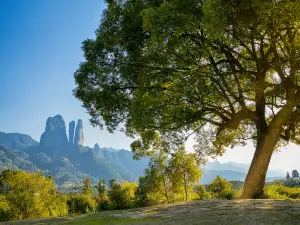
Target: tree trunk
x,y
165,187
255,180
185,189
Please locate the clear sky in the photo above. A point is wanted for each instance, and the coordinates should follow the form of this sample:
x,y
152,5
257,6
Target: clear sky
x,y
40,46
40,49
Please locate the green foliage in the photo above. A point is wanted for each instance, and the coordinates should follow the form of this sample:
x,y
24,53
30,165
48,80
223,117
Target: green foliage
x,y
220,188
5,210
202,194
169,178
225,70
102,195
150,190
4,176
81,204
87,187
121,196
141,197
32,195
171,66
158,179
281,192
101,188
237,185
183,170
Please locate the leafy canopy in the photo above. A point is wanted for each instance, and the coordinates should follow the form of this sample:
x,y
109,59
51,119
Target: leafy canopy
x,y
223,69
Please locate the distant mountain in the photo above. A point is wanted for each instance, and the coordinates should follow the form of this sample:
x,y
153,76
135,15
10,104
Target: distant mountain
x,y
16,141
233,171
209,175
67,159
216,165
10,160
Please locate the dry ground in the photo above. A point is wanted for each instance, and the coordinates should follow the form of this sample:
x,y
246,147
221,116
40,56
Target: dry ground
x,y
254,212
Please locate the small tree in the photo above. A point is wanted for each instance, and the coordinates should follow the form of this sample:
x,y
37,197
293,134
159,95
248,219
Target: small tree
x,y
142,193
87,187
101,188
81,204
121,195
115,195
202,193
128,191
152,188
32,195
295,174
288,176
4,176
184,171
221,188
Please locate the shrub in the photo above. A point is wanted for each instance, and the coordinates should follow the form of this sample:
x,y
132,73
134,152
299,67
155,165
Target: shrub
x,y
121,195
202,193
281,192
103,205
61,207
32,195
220,188
81,204
5,211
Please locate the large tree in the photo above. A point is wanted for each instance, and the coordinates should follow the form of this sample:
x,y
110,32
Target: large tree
x,y
223,69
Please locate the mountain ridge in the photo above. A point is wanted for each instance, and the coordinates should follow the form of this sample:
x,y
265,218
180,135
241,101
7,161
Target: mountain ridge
x,y
69,161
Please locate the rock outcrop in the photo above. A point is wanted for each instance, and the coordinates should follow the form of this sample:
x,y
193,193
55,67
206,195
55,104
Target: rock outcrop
x,y
71,132
55,134
79,140
96,147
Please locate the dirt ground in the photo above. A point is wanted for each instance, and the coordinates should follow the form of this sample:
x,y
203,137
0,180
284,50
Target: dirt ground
x,y
254,212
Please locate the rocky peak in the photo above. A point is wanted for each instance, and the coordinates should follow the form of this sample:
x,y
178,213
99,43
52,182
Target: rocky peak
x,y
71,132
55,132
96,147
54,123
79,140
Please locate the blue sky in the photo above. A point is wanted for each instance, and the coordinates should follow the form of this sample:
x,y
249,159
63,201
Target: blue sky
x,y
40,49
40,42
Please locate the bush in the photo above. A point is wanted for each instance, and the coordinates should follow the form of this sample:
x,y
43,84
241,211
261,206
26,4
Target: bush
x,y
237,185
32,195
282,192
60,208
220,188
202,193
81,204
121,195
5,212
103,205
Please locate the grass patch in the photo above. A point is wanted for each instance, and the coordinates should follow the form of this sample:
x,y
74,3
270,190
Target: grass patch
x,y
113,220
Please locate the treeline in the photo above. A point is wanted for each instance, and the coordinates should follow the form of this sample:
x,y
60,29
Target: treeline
x,y
170,178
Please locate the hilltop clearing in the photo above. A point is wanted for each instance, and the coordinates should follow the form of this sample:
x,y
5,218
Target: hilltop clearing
x,y
199,212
